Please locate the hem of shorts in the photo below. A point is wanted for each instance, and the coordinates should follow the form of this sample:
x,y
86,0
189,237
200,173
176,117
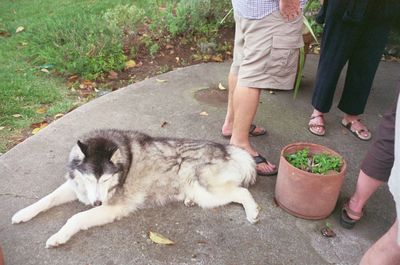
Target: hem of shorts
x,y
264,85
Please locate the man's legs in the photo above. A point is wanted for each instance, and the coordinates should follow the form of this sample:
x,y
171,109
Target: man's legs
x,y
244,104
228,123
385,251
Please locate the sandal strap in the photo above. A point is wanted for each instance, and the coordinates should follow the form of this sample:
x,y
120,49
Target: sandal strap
x,y
316,116
252,128
351,123
260,159
314,125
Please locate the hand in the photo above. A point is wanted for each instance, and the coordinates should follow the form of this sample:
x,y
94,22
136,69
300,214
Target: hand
x,y
290,9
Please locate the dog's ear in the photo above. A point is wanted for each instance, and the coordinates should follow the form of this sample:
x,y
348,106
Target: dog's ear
x,y
116,157
79,151
83,147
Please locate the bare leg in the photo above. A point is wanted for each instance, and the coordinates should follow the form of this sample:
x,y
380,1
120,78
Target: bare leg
x,y
385,251
84,220
228,124
62,194
245,103
366,186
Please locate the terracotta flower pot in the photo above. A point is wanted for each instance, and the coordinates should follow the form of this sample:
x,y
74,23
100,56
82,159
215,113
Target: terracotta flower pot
x,y
304,194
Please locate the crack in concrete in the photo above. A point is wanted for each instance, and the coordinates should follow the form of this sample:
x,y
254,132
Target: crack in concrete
x,y
19,196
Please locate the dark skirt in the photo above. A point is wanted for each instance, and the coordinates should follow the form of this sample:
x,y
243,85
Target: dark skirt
x,y
379,160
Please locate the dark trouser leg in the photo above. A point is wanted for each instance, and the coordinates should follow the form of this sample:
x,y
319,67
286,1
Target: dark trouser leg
x,y
337,43
379,159
362,67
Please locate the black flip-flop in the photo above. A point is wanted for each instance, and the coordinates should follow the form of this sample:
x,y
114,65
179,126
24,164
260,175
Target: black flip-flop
x,y
260,159
345,220
252,132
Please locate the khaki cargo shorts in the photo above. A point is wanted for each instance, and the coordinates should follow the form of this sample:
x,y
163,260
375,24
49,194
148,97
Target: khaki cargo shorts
x,y
266,51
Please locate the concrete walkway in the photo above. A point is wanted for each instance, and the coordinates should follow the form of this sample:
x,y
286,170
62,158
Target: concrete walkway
x,y
219,236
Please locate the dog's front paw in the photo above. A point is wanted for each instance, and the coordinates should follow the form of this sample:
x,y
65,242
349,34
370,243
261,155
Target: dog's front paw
x,y
22,216
56,240
252,215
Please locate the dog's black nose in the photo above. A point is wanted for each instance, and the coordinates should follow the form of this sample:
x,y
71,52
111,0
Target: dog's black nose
x,y
97,203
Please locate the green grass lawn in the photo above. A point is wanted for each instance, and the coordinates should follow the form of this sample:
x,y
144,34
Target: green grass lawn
x,y
83,38
24,88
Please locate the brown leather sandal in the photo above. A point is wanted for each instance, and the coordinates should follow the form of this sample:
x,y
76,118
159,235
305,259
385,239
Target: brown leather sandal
x,y
312,126
357,133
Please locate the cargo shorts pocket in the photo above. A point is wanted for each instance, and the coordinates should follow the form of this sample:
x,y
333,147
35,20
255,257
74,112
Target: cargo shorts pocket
x,y
283,58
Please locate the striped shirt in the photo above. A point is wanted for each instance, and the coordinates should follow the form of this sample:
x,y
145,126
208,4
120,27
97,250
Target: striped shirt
x,y
257,9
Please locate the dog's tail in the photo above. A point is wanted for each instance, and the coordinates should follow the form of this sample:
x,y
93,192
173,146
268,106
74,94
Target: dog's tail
x,y
243,164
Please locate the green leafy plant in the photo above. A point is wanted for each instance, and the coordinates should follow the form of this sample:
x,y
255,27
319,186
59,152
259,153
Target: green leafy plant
x,y
310,25
314,163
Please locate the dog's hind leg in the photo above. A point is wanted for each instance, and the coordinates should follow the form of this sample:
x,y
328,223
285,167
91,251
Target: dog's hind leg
x,y
97,216
62,194
243,196
227,194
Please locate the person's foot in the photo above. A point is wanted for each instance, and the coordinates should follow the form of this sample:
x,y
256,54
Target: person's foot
x,y
356,127
264,167
317,124
355,210
351,214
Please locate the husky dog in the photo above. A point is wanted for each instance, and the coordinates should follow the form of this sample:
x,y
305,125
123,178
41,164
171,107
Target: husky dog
x,y
121,171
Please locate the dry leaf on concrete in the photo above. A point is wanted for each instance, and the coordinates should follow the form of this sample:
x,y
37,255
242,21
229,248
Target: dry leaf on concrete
x,y
160,239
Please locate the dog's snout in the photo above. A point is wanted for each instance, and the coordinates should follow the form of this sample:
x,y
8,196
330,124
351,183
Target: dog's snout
x,y
97,203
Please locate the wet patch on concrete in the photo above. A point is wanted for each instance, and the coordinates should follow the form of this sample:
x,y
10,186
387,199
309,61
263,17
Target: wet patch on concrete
x,y
212,96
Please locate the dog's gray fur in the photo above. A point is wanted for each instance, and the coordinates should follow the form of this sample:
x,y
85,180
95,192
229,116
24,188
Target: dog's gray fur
x,y
121,171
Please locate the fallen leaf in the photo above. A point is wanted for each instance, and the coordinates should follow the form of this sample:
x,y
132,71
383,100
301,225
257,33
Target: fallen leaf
x,y
328,232
203,113
169,46
59,115
73,78
177,59
197,57
221,87
161,80
45,71
36,130
88,82
41,110
2,128
217,58
160,239
19,29
206,58
112,75
17,115
40,125
130,64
